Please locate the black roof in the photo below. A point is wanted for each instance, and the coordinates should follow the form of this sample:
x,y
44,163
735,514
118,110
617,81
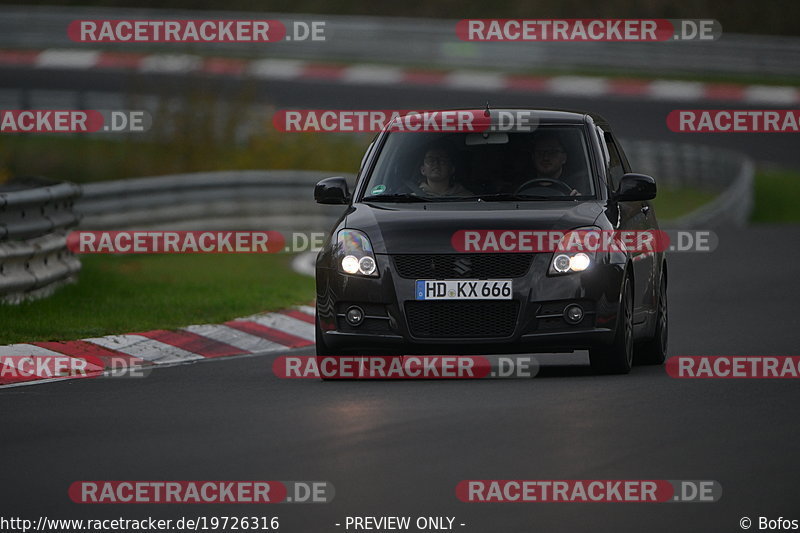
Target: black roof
x,y
545,115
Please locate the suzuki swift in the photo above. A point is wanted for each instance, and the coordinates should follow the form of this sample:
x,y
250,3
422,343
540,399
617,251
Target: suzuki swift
x,y
426,258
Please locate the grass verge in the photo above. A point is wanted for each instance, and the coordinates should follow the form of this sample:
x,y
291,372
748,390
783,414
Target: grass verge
x,y
673,203
777,196
82,160
123,294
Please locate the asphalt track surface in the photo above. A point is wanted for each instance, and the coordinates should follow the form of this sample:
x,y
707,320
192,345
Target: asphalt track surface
x,y
399,448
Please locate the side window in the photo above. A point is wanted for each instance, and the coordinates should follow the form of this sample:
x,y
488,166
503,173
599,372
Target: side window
x,y
601,141
616,168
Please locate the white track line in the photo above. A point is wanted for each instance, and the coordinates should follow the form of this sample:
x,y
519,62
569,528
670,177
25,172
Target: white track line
x,y
283,69
57,58
676,90
764,94
234,337
467,79
307,309
285,323
579,86
373,74
171,63
145,348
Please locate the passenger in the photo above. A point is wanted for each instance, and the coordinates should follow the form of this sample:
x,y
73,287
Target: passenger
x,y
439,170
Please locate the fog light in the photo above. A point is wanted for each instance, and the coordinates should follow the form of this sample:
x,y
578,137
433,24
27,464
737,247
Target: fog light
x,y
573,314
354,315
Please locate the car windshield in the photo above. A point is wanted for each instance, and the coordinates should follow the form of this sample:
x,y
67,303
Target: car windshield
x,y
549,163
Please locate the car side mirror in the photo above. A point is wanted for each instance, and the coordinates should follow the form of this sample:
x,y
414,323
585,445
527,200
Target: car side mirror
x,y
332,191
635,187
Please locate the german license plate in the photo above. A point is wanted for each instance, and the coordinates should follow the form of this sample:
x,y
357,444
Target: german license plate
x,y
463,289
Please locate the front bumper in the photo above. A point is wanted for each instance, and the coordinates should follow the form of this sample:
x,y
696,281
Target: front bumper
x,y
395,323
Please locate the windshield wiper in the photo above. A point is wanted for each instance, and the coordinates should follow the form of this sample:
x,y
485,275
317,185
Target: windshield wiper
x,y
510,196
395,198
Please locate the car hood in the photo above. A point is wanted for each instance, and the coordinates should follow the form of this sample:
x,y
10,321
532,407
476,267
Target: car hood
x,y
429,227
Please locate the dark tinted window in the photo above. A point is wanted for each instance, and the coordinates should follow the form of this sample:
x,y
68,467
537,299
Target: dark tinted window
x,y
615,166
462,165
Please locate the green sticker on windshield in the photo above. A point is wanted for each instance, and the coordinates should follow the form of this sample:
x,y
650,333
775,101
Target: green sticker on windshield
x,y
378,189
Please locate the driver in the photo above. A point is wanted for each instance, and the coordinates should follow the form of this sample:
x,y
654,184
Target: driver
x,y
549,158
438,171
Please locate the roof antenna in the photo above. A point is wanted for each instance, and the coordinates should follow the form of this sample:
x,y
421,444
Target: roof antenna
x,y
486,112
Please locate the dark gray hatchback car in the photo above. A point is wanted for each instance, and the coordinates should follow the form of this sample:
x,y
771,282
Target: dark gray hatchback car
x,y
392,280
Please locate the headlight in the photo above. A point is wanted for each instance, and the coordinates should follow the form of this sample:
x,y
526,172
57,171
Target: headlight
x,y
354,254
579,262
567,260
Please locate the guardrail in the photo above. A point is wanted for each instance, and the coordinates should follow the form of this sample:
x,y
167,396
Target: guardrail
x,y
251,199
34,260
726,173
34,216
421,42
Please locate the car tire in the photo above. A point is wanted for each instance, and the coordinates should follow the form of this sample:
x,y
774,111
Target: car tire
x,y
617,358
654,351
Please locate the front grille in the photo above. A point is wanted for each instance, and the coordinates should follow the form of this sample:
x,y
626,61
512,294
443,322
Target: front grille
x,y
462,266
470,319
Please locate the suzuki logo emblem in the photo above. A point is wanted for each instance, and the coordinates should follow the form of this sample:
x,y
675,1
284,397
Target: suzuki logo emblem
x,y
462,265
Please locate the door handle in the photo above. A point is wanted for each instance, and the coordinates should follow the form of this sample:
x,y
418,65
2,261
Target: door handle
x,y
645,209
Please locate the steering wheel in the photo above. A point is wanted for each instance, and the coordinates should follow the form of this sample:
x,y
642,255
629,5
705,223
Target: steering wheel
x,y
545,182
